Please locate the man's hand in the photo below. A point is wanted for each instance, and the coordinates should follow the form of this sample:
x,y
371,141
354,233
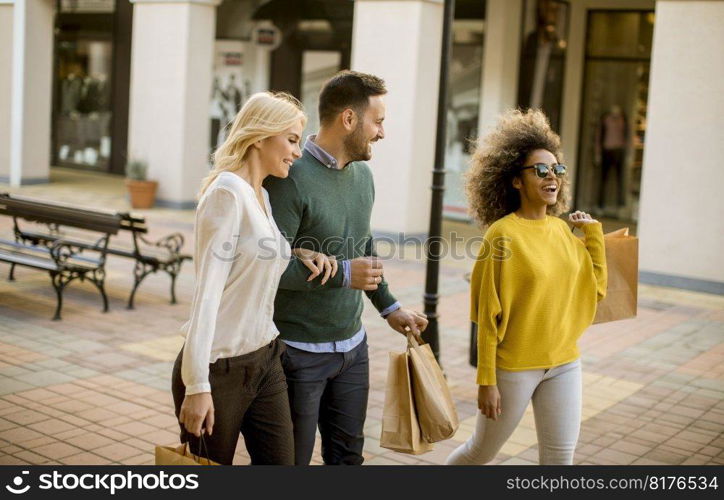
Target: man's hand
x,y
407,321
366,273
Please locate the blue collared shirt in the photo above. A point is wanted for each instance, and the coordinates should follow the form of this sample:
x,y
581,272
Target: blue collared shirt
x,y
347,345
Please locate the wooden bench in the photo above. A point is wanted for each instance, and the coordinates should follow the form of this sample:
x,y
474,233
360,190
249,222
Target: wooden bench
x,y
63,260
149,256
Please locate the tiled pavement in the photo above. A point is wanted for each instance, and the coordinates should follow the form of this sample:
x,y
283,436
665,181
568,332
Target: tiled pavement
x,y
94,388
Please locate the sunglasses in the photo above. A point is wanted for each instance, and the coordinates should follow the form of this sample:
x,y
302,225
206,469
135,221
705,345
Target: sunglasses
x,y
541,169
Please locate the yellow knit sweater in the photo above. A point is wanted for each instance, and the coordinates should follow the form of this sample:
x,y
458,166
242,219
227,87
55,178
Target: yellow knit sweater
x,y
534,290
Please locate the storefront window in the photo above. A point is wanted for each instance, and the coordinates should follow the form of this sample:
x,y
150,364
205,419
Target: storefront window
x,y
464,108
83,119
230,89
542,58
613,120
83,76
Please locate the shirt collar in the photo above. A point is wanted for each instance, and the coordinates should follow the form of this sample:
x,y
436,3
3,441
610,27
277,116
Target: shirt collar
x,y
320,154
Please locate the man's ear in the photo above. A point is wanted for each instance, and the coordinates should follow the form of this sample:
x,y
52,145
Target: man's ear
x,y
349,119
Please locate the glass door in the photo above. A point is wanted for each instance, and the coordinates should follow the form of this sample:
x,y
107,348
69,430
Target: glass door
x,y
83,82
613,116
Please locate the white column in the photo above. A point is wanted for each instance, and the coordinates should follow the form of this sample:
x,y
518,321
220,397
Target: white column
x,y
171,78
499,90
6,71
681,226
400,41
30,90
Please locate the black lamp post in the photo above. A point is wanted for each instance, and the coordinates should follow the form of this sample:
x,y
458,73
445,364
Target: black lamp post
x,y
433,246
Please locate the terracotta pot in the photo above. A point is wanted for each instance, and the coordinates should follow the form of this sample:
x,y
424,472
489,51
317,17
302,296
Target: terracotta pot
x,y
141,193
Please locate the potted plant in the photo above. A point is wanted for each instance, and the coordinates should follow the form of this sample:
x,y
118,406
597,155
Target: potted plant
x,y
141,191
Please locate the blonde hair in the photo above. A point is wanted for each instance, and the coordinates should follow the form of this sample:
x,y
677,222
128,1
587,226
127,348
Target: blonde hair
x,y
264,115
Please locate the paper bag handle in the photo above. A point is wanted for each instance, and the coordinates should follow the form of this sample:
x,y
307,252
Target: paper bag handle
x,y
412,340
202,449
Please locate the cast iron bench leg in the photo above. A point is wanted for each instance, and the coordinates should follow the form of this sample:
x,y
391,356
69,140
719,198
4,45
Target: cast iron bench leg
x,y
140,271
99,279
173,270
173,288
11,276
58,284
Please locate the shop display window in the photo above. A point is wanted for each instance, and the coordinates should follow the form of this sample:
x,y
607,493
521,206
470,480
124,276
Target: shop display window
x,y
613,114
82,110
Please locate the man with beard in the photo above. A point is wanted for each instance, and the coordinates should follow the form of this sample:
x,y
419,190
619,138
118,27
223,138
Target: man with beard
x,y
324,206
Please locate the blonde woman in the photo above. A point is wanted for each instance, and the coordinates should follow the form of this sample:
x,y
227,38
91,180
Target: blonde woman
x,y
228,378
534,291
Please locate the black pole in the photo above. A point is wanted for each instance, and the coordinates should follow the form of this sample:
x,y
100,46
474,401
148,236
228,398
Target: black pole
x,y
432,249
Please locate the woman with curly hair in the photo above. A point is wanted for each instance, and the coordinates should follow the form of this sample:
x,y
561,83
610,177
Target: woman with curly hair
x,y
534,290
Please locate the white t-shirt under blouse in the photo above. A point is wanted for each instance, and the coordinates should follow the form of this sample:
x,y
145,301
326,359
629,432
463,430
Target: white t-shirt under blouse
x,y
239,257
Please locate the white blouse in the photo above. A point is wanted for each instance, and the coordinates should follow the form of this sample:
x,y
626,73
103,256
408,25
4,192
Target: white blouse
x,y
239,258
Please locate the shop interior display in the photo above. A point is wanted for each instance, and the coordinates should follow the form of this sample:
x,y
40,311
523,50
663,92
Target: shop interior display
x,y
83,111
613,114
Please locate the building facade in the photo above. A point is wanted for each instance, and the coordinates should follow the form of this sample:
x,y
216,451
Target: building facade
x,y
635,94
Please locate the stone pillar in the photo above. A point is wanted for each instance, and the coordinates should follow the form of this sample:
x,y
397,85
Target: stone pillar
x,y
400,41
27,88
171,78
680,226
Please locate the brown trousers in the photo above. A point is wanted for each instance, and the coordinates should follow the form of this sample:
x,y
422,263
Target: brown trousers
x,y
250,396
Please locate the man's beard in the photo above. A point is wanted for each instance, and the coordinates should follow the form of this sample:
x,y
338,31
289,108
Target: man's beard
x,y
355,145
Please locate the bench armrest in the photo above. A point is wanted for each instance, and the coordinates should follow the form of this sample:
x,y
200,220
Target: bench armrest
x,y
172,242
61,251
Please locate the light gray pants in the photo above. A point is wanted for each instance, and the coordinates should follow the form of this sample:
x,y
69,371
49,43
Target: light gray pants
x,y
556,396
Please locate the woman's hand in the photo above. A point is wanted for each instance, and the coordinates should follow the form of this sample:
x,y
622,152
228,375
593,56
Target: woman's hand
x,y
489,401
579,219
318,263
197,411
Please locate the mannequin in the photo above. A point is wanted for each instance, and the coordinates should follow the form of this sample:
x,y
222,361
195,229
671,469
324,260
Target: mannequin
x,y
71,89
216,112
611,145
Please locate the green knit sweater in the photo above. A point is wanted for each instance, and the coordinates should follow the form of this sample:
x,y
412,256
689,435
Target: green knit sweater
x,y
325,210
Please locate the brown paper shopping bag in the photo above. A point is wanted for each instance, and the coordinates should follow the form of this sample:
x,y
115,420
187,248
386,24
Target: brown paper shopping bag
x,y
435,406
180,455
622,261
400,427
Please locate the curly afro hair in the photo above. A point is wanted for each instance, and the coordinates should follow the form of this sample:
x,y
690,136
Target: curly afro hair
x,y
497,159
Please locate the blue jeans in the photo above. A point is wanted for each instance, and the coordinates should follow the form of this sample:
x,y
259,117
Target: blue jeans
x,y
329,391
